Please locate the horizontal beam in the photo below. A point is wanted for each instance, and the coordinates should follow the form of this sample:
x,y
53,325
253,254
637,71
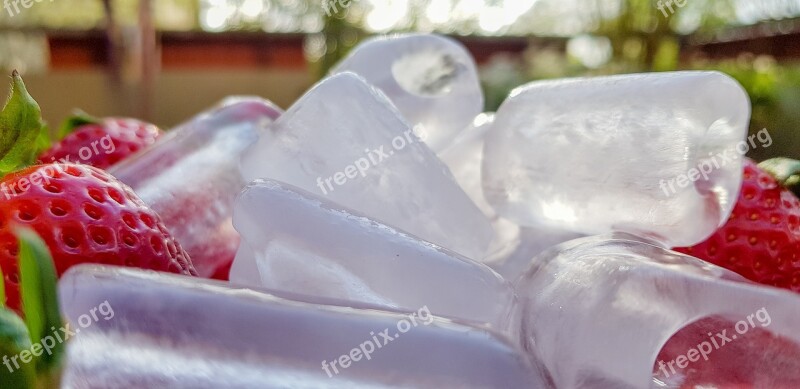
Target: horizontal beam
x,y
254,50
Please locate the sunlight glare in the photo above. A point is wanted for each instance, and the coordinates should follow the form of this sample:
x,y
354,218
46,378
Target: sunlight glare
x,y
438,11
386,15
252,8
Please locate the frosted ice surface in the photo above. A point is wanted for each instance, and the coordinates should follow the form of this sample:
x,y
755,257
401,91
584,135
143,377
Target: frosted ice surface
x,y
598,310
513,247
433,81
653,154
305,244
464,158
517,248
345,141
179,332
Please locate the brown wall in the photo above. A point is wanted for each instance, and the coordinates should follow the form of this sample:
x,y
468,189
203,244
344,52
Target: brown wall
x,y
178,95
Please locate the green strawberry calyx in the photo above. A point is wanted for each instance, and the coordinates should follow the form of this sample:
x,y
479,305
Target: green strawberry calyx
x,y
23,134
786,171
77,120
29,356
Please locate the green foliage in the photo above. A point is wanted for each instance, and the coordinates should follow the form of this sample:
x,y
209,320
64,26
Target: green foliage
x,y
338,37
89,14
774,91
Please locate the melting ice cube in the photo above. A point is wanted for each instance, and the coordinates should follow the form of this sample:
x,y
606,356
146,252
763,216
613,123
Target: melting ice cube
x,y
432,80
513,247
464,158
344,141
598,310
157,331
301,243
653,154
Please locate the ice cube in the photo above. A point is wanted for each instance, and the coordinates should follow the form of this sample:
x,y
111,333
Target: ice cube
x,y
345,141
513,247
306,244
157,331
654,154
191,178
598,310
517,248
432,79
464,158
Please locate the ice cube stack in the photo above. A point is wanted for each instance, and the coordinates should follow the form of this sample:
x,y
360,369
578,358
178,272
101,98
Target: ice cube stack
x,y
536,240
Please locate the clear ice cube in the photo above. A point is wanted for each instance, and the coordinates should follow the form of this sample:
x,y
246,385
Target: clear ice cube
x,y
464,158
433,80
598,310
513,247
653,154
517,248
158,331
191,178
347,142
298,242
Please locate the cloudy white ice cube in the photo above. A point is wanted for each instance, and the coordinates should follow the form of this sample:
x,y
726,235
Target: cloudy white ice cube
x,y
653,154
175,332
432,79
302,243
347,142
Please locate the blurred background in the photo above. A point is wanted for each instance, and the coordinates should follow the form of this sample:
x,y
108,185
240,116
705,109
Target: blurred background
x,y
165,60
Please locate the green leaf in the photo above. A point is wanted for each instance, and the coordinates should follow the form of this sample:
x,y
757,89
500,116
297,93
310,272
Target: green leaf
x,y
78,118
14,339
39,297
20,127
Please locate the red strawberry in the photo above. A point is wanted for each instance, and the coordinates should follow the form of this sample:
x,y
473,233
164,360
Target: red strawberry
x,y
85,215
223,273
761,240
101,143
734,366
